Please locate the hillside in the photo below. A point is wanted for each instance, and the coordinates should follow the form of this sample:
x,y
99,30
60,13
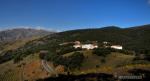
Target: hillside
x,y
131,38
134,38
26,53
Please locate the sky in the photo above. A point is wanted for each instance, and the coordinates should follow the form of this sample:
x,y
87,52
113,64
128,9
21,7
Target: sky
x,y
61,15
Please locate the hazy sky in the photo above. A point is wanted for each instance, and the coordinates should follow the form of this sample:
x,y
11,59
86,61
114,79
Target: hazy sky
x,y
73,14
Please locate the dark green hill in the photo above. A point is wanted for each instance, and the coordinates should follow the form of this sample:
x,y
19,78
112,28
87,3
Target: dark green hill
x,y
131,38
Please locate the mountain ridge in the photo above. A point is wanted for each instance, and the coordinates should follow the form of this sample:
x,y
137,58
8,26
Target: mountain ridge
x,y
9,36
21,33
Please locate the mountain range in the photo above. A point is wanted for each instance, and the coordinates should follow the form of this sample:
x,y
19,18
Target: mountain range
x,y
21,33
11,35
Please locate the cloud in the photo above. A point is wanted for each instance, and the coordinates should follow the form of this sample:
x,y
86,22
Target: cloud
x,y
27,27
44,28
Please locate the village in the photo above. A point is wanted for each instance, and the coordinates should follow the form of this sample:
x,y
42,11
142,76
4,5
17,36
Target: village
x,y
90,46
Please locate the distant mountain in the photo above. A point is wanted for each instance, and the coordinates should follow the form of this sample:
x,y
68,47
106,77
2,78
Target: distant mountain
x,y
11,35
21,33
111,27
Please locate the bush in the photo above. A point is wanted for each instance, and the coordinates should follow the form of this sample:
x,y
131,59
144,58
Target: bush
x,y
65,50
127,52
75,60
101,51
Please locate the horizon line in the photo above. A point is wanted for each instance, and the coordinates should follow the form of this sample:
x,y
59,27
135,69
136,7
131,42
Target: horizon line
x,y
49,29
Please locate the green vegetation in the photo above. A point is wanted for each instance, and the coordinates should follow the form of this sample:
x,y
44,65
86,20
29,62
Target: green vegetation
x,y
73,61
101,51
65,49
127,52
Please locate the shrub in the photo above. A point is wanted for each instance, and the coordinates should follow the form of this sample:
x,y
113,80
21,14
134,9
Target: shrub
x,y
75,60
101,51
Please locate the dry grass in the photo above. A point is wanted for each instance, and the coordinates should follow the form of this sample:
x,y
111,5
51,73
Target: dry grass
x,y
115,59
34,70
13,72
12,75
10,72
111,62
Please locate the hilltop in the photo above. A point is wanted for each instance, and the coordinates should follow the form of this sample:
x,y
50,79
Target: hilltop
x,y
134,38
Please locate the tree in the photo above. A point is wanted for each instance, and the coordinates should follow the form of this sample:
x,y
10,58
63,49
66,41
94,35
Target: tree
x,y
101,51
42,54
75,60
65,50
50,56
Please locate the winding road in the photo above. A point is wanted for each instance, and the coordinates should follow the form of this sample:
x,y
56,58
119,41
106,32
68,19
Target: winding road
x,y
48,68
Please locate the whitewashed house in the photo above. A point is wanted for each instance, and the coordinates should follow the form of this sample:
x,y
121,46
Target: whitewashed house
x,y
85,46
117,47
89,46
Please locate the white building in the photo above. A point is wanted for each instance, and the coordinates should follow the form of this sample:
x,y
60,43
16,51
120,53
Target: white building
x,y
85,46
117,47
89,46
